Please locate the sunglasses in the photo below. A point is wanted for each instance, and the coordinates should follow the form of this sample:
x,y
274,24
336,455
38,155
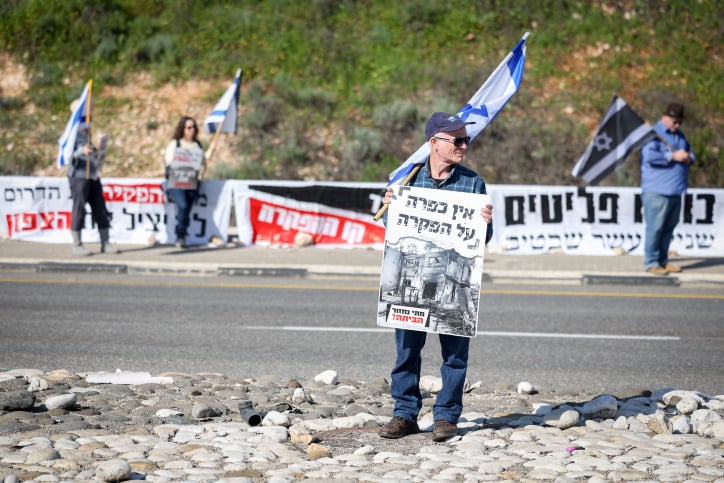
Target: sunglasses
x,y
458,142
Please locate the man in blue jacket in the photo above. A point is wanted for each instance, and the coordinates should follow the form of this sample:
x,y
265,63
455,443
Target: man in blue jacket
x,y
665,162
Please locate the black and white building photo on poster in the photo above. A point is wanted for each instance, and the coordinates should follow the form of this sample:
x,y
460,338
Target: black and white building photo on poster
x,y
432,264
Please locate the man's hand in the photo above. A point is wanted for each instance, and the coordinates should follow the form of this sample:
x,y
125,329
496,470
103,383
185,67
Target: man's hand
x,y
389,196
487,212
681,156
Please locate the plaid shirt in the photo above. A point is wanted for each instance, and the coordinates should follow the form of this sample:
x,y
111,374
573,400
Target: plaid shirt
x,y
459,179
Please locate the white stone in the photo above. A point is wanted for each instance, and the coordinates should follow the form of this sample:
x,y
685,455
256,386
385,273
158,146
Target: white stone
x,y
37,384
702,418
525,387
164,413
562,418
327,377
275,418
61,401
113,470
715,430
672,397
431,384
687,405
299,396
681,425
365,450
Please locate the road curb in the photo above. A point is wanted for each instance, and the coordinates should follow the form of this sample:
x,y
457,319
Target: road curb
x,y
514,277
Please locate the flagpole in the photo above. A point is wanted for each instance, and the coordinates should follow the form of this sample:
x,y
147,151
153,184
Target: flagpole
x,y
409,177
88,121
212,148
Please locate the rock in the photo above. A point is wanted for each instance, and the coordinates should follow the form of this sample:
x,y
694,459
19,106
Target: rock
x,y
680,425
672,398
327,377
204,411
42,454
275,418
299,396
525,387
603,407
37,384
431,384
303,240
687,405
113,470
61,401
316,451
562,418
16,400
658,424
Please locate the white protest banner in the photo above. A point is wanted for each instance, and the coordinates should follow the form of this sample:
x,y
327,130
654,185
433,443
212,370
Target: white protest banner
x,y
39,209
536,219
433,262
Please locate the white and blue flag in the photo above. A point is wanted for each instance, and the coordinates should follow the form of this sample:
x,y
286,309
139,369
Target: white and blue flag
x,y
226,110
70,134
481,108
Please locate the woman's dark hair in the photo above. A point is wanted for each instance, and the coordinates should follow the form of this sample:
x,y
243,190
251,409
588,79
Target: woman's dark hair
x,y
179,132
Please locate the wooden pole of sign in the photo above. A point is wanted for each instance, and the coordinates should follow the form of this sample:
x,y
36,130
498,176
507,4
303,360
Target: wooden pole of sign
x,y
405,181
212,148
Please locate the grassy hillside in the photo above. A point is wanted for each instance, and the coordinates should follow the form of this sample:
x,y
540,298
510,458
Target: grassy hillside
x,y
340,89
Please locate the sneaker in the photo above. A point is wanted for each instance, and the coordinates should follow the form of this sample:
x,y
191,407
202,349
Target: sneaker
x,y
444,430
672,268
180,242
659,270
398,428
81,251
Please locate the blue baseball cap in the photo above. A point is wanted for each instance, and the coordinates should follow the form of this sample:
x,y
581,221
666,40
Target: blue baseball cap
x,y
444,122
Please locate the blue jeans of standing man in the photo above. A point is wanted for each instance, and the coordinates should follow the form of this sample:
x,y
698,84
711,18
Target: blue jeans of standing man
x,y
661,215
184,201
405,388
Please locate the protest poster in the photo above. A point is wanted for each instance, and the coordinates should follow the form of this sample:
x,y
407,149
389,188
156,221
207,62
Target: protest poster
x,y
432,263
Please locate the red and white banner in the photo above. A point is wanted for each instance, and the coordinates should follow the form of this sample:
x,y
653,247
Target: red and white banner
x,y
39,209
266,219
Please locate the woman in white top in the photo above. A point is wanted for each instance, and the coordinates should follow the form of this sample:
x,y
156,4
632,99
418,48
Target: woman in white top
x,y
184,158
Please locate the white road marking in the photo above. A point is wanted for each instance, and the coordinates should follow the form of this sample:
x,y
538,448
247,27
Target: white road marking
x,y
484,333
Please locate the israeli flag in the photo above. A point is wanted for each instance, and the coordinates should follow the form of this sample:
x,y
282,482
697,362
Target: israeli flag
x,y
225,111
481,108
70,134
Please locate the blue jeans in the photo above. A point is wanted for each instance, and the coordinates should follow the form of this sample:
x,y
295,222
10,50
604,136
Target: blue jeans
x,y
184,201
405,388
661,215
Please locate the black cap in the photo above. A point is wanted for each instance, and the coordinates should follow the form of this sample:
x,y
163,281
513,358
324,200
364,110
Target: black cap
x,y
675,110
444,122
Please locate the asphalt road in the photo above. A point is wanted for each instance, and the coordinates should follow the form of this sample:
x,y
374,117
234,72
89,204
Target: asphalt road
x,y
597,339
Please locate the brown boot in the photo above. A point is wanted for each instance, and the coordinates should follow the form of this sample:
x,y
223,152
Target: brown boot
x,y
444,430
398,427
658,270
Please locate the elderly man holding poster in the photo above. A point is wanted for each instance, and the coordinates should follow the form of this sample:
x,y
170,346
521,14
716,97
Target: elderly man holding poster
x,y
448,141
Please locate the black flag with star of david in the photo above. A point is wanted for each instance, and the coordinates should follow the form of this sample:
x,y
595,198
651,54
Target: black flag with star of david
x,y
620,132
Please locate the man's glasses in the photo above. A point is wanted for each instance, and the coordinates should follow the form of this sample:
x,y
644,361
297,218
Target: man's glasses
x,y
458,142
